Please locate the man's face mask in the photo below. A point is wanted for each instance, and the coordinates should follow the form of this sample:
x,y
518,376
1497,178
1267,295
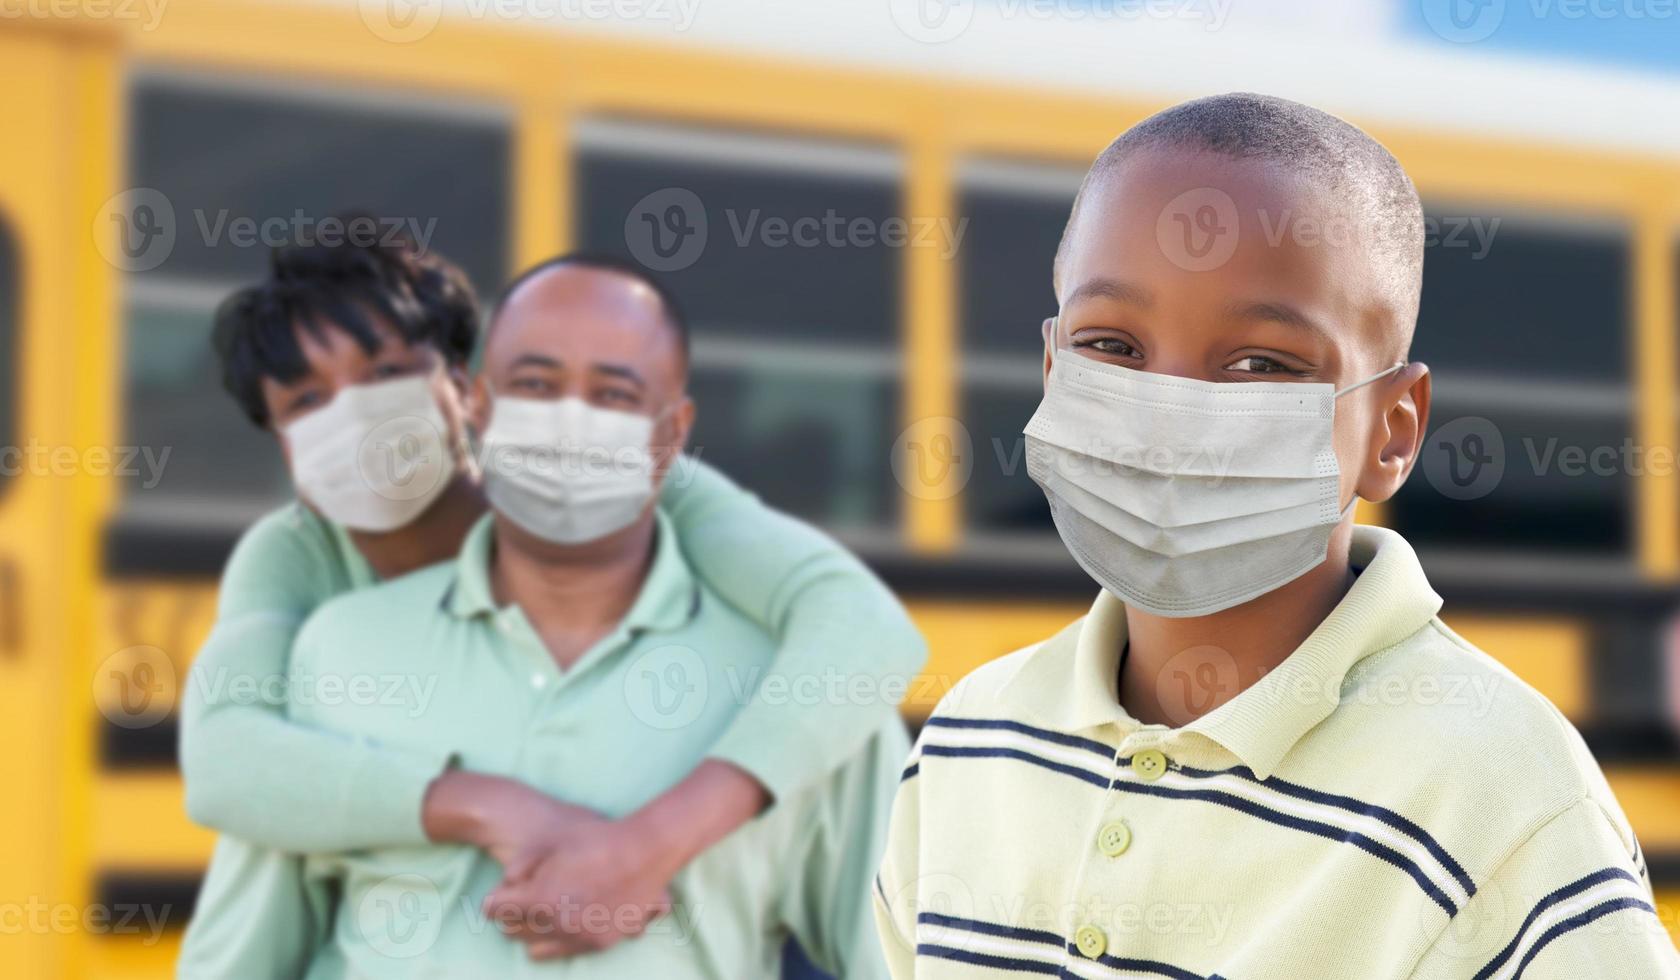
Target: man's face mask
x,y
1187,497
565,470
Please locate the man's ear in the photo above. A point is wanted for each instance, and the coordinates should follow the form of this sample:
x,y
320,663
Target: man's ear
x,y
1397,437
1049,331
682,421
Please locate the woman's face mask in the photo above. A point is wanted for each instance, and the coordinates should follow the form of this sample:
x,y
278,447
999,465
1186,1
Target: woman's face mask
x,y
1187,497
375,457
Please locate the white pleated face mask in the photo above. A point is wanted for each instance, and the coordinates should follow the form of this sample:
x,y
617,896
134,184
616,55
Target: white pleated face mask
x,y
375,457
1186,497
566,470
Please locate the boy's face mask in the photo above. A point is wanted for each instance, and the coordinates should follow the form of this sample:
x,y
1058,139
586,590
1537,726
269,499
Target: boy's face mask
x,y
1187,497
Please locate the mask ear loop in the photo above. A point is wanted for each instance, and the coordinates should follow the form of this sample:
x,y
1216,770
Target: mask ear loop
x,y
1372,379
1356,385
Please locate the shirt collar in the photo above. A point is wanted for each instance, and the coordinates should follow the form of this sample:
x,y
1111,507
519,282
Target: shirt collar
x,y
1070,682
669,597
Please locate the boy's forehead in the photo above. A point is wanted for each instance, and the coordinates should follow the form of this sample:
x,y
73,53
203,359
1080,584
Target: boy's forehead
x,y
1246,229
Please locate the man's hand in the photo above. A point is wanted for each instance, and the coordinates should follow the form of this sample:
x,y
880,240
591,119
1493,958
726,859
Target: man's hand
x,y
513,823
603,883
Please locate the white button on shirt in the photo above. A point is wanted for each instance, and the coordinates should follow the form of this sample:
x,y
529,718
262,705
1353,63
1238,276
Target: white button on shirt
x,y
1314,826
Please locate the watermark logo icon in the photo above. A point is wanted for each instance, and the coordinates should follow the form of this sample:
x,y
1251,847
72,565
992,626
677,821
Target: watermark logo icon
x,y
1197,230
401,916
403,458
136,687
401,21
666,230
1195,681
932,21
933,458
667,687
1464,21
1464,459
135,230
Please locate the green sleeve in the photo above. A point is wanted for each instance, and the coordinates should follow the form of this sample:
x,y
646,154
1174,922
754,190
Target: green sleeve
x,y
828,906
250,771
258,916
845,648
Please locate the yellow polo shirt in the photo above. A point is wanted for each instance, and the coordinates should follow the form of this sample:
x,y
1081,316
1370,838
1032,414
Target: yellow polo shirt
x,y
1389,802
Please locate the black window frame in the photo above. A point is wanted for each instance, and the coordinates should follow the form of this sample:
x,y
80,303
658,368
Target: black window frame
x,y
170,535
717,151
12,309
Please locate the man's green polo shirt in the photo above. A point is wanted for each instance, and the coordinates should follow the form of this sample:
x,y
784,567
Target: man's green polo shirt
x,y
430,663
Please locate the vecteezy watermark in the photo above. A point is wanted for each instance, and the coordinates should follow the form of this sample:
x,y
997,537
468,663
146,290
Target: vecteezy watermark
x,y
1467,458
412,693
406,21
933,458
400,916
139,229
668,230
37,459
667,687
136,687
39,917
1469,21
938,21
1200,229
147,13
1196,680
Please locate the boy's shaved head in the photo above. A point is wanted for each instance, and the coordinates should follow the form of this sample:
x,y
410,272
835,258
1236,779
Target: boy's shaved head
x,y
1380,202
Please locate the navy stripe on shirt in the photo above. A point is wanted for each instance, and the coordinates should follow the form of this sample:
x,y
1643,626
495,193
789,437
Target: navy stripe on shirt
x,y
1561,895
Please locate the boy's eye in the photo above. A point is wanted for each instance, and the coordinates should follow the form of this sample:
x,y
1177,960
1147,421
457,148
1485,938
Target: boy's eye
x,y
1257,364
385,371
303,402
1109,345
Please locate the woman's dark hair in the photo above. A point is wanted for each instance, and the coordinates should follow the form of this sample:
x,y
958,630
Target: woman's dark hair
x,y
343,286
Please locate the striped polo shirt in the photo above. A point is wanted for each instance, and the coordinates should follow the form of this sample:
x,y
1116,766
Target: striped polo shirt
x,y
1389,802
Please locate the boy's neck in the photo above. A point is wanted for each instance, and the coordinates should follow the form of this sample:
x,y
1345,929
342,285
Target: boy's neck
x,y
1176,670
436,535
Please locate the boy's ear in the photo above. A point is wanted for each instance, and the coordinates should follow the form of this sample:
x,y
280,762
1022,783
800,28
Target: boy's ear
x,y
1397,438
1049,331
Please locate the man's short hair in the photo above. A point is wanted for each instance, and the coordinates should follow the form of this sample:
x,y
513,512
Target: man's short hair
x,y
1339,157
345,286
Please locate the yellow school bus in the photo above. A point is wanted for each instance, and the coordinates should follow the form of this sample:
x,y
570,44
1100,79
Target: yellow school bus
x,y
875,386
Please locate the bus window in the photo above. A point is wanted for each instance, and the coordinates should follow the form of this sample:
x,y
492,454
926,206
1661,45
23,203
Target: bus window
x,y
1015,213
240,169
778,251
11,287
1526,326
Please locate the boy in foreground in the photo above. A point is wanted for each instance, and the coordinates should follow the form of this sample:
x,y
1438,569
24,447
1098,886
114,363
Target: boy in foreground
x,y
1247,761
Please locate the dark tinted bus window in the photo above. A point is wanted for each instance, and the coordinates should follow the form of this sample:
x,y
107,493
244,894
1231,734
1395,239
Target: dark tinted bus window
x,y
239,169
1014,213
783,256
1527,325
11,311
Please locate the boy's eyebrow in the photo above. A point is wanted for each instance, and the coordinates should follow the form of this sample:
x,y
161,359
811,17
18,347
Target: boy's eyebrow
x,y
1114,289
1282,313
